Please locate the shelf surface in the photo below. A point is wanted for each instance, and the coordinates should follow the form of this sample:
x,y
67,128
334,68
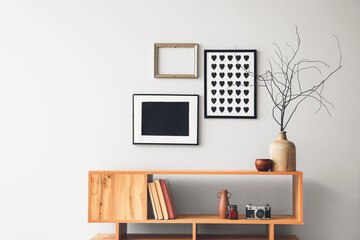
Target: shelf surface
x,y
215,219
198,172
189,237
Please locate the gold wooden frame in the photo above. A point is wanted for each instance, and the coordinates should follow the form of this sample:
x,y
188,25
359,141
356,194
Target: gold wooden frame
x,y
175,45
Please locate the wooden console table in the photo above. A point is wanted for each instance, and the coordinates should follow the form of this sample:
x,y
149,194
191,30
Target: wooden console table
x,y
121,197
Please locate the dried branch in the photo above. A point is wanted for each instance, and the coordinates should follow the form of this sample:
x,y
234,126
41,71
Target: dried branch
x,y
287,95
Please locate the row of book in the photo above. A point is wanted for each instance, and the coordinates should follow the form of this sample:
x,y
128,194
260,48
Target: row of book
x,y
162,200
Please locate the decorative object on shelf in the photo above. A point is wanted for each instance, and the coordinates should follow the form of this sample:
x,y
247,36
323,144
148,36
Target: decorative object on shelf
x,y
152,200
283,154
224,197
158,213
165,119
288,90
263,164
162,200
175,60
169,200
230,89
233,212
258,212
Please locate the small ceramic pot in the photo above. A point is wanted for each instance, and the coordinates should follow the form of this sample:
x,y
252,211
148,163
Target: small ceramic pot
x,y
263,164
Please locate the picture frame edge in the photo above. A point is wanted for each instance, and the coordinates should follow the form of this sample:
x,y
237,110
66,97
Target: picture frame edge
x,y
254,116
197,96
175,45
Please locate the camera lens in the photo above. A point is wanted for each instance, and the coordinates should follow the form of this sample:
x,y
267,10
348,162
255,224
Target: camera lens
x,y
260,213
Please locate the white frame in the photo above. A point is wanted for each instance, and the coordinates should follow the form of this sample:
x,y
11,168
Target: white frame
x,y
192,139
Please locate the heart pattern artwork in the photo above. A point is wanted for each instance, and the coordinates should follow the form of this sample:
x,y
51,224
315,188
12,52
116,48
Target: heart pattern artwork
x,y
230,90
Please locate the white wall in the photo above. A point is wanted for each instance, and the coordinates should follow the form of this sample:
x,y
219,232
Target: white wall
x,y
67,73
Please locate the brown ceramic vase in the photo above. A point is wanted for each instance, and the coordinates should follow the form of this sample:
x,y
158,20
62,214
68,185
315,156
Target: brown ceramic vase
x,y
223,203
263,165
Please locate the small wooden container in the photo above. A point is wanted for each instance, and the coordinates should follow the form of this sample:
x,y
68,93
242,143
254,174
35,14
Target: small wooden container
x,y
263,165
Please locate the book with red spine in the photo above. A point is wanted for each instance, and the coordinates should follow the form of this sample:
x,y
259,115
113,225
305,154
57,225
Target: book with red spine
x,y
169,200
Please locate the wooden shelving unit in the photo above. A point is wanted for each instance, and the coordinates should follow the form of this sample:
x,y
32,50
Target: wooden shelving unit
x,y
121,197
189,237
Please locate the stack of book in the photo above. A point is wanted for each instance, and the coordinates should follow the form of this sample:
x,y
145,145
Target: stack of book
x,y
162,200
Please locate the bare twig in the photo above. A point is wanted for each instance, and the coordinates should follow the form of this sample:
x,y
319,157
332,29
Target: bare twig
x,y
287,95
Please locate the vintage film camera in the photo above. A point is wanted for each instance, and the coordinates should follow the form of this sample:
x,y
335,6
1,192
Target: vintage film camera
x,y
258,212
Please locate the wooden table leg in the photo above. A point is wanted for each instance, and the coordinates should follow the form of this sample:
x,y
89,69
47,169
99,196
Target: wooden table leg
x,y
298,197
121,231
270,231
194,232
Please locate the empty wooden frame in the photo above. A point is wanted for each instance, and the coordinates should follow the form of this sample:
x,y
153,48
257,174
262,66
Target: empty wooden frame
x,y
175,60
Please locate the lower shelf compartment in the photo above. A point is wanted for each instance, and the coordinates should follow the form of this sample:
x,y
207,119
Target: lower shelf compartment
x,y
189,237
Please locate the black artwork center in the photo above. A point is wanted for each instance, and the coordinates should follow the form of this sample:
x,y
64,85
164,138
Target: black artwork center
x,y
165,118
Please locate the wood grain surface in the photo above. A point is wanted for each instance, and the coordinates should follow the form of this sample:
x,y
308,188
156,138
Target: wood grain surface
x,y
121,197
215,219
298,197
117,196
189,237
196,172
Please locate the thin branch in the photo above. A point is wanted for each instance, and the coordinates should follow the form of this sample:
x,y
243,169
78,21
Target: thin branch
x,y
290,47
273,115
279,82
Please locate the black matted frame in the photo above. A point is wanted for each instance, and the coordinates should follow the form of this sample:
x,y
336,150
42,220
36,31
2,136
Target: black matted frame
x,y
230,83
192,139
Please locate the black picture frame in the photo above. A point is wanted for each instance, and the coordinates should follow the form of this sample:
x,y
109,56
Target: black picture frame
x,y
154,115
230,84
